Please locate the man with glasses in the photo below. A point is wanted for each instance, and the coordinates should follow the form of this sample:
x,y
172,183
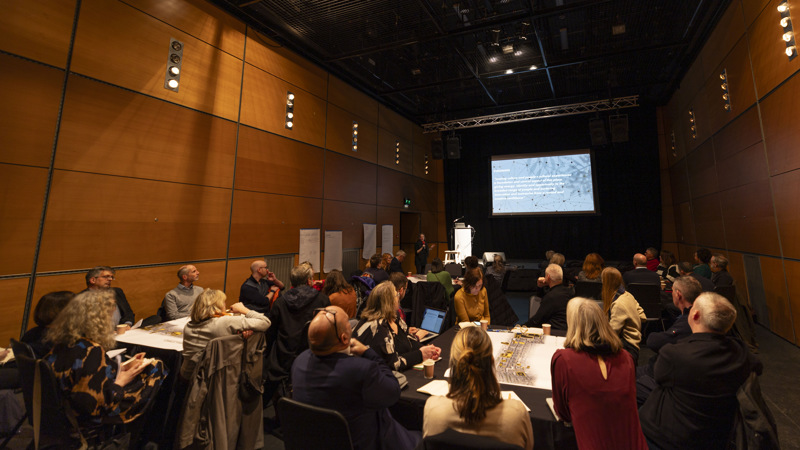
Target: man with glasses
x,y
341,373
100,278
258,291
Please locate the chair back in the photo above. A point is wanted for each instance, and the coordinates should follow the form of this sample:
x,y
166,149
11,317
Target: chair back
x,y
589,289
26,365
451,439
649,298
52,422
306,426
522,280
729,292
454,269
428,294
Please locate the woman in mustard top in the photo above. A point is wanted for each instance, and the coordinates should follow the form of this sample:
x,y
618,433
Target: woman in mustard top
x,y
471,301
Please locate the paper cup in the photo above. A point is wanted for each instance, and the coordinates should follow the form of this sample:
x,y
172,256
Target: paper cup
x,y
427,368
485,324
409,274
546,329
121,329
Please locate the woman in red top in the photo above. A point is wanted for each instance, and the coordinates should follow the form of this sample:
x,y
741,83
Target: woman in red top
x,y
594,382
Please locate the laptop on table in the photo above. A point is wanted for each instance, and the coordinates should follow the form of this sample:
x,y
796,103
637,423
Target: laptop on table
x,y
432,322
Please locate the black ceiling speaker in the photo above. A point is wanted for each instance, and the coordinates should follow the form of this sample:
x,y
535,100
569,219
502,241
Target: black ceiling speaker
x,y
619,128
597,130
453,147
437,149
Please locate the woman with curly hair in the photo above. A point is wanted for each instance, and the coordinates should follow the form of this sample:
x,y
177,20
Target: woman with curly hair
x,y
97,388
474,404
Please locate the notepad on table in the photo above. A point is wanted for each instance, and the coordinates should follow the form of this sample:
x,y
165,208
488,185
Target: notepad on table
x,y
508,395
435,387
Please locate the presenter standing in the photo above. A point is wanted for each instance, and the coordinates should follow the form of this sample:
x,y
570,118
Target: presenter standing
x,y
421,253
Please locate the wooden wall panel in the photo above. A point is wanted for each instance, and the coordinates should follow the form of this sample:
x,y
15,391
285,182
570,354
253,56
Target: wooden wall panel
x,y
745,167
339,134
669,232
685,223
30,94
675,122
708,221
138,43
37,30
350,179
793,281
238,271
98,219
267,224
740,79
738,135
114,131
348,218
750,219
751,10
691,85
702,173
779,113
387,151
267,162
785,194
713,113
271,57
727,32
767,51
421,151
350,99
429,222
680,182
264,107
12,291
389,215
21,196
395,123
736,268
777,298
199,18
707,118
394,186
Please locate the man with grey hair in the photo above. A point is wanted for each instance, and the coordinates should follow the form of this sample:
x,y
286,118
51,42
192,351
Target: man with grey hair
x,y
553,309
694,403
178,302
100,278
640,274
289,315
397,262
719,271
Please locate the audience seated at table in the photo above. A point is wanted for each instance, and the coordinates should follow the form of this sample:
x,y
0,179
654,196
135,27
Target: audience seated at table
x,y
209,321
99,279
382,330
497,269
341,373
472,301
98,390
625,314
439,275
178,302
592,266
594,382
474,404
555,296
340,292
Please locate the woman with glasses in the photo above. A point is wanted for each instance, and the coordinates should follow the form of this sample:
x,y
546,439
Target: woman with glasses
x,y
474,404
382,330
472,301
209,321
594,381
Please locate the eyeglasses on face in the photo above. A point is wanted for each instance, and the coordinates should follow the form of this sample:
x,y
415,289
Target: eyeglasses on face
x,y
331,312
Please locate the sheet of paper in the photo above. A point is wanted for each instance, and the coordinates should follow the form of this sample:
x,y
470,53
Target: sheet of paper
x,y
435,387
309,247
113,353
387,239
137,324
513,395
370,239
167,335
333,251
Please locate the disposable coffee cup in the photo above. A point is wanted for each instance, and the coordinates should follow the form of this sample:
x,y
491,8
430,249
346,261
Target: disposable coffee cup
x,y
121,329
409,274
546,329
427,368
663,284
485,324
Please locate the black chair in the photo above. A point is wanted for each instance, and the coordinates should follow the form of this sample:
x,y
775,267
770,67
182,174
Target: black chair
x,y
522,280
649,298
306,426
729,292
454,269
20,348
589,289
451,439
430,294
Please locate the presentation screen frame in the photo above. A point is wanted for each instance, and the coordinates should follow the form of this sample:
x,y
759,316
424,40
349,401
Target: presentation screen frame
x,y
550,212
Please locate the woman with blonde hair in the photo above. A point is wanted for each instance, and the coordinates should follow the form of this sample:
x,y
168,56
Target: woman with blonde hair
x,y
382,330
473,404
625,314
594,383
209,321
592,266
97,388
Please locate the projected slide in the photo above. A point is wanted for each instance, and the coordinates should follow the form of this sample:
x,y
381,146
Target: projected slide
x,y
549,183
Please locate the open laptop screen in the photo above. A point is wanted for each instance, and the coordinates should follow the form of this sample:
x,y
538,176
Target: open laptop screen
x,y
433,320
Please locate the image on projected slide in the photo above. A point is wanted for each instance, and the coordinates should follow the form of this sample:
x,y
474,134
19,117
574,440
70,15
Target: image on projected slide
x,y
546,184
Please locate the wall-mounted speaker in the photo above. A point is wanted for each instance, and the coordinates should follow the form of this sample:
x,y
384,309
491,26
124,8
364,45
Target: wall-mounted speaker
x,y
437,149
619,128
597,130
453,147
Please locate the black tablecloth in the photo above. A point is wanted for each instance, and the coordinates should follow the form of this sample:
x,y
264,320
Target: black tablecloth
x,y
547,433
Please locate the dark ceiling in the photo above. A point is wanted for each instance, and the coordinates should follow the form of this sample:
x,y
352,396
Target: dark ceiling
x,y
437,60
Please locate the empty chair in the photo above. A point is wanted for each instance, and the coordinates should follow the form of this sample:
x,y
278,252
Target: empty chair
x,y
454,269
649,298
589,289
306,426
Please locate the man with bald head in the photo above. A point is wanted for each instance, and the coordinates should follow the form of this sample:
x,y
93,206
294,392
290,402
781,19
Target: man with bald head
x,y
694,404
640,274
341,373
178,302
258,291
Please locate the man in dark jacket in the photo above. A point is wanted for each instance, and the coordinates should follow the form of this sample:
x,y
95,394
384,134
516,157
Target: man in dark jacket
x,y
100,278
257,291
554,302
289,315
397,262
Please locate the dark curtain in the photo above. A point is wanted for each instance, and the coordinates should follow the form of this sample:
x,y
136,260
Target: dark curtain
x,y
627,180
